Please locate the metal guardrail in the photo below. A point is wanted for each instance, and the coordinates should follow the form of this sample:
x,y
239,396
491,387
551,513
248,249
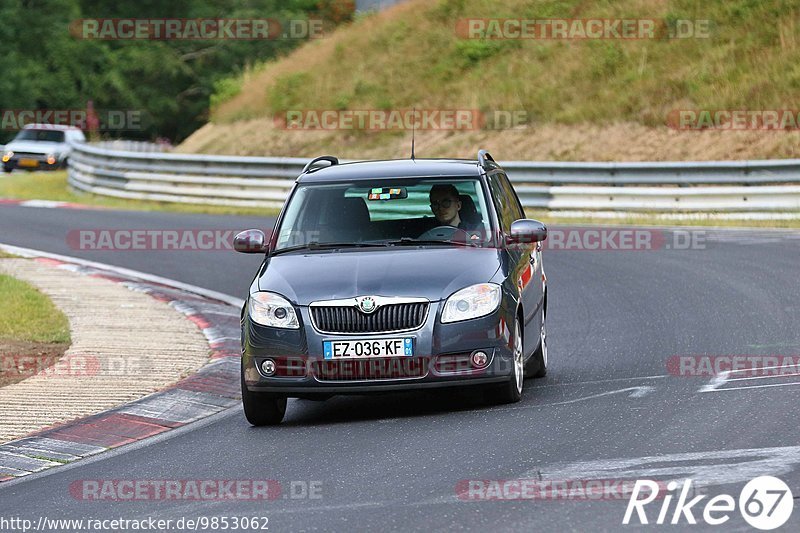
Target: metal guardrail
x,y
722,186
126,145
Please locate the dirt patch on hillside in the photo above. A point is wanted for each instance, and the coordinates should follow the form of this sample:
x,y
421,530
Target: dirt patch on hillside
x,y
22,359
615,142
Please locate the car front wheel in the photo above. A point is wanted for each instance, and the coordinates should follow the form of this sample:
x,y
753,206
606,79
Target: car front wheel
x,y
511,391
262,408
536,367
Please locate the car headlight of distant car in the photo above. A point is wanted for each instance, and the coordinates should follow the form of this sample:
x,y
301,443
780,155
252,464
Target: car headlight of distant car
x,y
270,309
51,159
8,155
472,302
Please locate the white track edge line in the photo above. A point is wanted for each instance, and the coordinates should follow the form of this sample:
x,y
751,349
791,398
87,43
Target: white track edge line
x,y
214,295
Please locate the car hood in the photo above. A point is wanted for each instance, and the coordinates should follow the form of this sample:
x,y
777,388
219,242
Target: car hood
x,y
36,147
433,273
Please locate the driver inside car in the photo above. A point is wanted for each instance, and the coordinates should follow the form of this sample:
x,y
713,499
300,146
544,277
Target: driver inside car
x,y
445,204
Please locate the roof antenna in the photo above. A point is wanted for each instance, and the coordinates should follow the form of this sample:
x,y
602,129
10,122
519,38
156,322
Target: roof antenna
x,y
413,130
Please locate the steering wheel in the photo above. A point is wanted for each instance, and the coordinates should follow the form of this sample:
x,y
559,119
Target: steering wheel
x,y
444,233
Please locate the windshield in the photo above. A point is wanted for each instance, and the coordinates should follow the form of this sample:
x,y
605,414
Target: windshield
x,y
386,211
52,136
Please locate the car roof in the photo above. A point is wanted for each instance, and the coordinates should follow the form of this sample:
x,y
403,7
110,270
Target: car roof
x,y
59,127
396,168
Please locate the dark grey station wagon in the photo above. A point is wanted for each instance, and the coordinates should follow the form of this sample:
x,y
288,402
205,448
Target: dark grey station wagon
x,y
392,275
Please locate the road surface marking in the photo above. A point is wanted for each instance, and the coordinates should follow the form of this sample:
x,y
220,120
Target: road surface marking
x,y
592,382
635,392
724,377
739,466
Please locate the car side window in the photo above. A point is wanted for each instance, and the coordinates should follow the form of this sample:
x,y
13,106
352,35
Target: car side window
x,y
513,200
506,206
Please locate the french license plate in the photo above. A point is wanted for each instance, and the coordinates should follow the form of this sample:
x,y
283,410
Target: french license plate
x,y
28,163
354,349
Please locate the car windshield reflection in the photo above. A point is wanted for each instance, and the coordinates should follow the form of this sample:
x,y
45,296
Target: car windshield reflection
x,y
385,213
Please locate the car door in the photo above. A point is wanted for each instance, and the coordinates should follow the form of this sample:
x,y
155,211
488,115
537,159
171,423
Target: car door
x,y
527,269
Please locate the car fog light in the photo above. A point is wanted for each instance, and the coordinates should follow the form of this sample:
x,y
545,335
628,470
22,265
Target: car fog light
x,y
479,359
268,367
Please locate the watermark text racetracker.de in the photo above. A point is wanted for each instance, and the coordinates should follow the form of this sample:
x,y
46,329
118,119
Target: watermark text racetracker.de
x,y
133,490
547,489
74,365
734,119
178,29
743,365
582,29
401,119
131,239
94,119
616,239
43,523
558,239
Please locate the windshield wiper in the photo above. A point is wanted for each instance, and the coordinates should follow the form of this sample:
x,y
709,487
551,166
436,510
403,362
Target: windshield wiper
x,y
314,245
406,241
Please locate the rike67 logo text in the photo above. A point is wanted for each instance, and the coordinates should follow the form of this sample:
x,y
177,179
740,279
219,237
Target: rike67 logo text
x,y
765,503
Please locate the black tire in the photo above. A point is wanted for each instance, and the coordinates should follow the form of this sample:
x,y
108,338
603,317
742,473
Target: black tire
x,y
7,170
511,391
262,408
536,367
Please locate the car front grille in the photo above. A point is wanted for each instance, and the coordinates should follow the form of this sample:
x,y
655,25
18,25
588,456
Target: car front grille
x,y
363,369
387,318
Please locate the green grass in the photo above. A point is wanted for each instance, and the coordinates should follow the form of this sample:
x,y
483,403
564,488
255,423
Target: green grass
x,y
6,255
28,315
45,458
412,56
53,186
578,99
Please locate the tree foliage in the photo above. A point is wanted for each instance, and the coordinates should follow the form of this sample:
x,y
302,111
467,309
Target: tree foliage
x,y
168,82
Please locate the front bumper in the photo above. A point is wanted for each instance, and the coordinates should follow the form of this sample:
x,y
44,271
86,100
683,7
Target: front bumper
x,y
442,357
31,162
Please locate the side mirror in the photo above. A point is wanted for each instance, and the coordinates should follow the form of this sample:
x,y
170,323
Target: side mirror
x,y
525,231
250,241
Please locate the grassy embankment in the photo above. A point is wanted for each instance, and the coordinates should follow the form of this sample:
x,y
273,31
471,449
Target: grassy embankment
x,y
584,99
33,332
53,186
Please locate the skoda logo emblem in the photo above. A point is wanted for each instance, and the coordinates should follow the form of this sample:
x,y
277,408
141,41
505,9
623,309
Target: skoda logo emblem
x,y
367,305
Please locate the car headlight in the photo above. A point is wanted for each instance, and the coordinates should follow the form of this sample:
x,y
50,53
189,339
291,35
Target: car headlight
x,y
472,302
269,309
8,155
51,159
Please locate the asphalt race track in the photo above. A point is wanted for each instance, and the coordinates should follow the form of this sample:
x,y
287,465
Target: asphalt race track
x,y
612,406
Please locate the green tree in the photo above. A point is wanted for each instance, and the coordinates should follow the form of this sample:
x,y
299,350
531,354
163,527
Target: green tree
x,y
167,83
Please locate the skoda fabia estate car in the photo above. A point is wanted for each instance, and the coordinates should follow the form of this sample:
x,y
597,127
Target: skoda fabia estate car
x,y
394,275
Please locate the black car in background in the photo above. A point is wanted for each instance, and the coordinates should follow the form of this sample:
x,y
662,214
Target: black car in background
x,y
393,275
